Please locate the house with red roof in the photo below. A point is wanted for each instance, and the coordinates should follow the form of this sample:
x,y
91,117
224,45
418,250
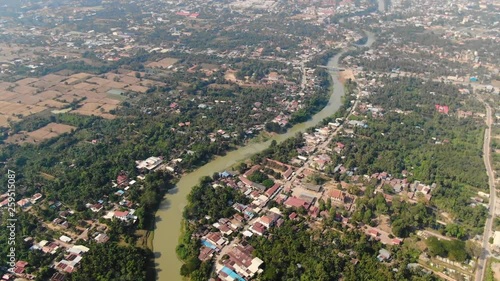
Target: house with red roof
x,y
121,215
442,108
296,202
337,195
23,203
373,232
122,178
271,192
258,228
4,203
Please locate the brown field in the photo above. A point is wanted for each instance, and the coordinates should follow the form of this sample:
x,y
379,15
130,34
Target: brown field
x,y
48,95
81,75
32,109
345,75
108,107
98,81
32,95
51,104
42,85
25,90
164,63
116,85
26,99
138,89
53,78
5,85
3,121
12,108
128,79
68,98
85,86
49,131
26,81
230,75
5,96
89,106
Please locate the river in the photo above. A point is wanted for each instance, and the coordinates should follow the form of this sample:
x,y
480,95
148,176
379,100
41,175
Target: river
x,y
169,215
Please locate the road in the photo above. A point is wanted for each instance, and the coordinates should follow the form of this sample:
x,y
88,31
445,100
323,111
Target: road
x,y
481,264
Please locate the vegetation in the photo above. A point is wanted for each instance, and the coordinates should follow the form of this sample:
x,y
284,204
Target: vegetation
x,y
295,252
433,147
453,249
105,262
206,204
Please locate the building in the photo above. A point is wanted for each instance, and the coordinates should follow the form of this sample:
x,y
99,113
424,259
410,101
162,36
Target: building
x,y
258,228
24,203
96,208
271,192
442,108
383,255
312,187
149,164
241,265
122,178
296,203
101,238
337,195
121,215
36,197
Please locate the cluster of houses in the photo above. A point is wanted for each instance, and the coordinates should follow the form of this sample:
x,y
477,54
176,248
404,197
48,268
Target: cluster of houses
x,y
23,203
67,264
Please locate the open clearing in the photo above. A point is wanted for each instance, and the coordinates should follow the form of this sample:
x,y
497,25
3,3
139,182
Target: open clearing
x,y
49,131
495,266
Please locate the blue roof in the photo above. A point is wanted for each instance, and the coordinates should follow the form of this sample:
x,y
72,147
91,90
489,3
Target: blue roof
x,y
231,273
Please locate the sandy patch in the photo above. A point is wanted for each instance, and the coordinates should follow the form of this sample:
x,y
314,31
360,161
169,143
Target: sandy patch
x,y
495,266
345,75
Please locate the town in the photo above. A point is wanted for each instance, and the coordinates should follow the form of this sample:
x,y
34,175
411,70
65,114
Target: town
x,y
106,105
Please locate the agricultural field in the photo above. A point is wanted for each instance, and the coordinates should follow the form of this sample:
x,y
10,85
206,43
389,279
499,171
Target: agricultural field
x,y
51,130
88,94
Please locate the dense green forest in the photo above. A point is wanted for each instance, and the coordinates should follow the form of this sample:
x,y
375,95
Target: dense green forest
x,y
110,262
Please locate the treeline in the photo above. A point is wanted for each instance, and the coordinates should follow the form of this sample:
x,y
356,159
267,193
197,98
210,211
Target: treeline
x,y
110,262
282,152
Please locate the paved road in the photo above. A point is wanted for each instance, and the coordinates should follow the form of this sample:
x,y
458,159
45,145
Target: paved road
x,y
481,265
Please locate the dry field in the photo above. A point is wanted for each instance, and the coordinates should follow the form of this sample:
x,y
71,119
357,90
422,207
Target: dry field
x,y
164,63
345,75
55,91
49,131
